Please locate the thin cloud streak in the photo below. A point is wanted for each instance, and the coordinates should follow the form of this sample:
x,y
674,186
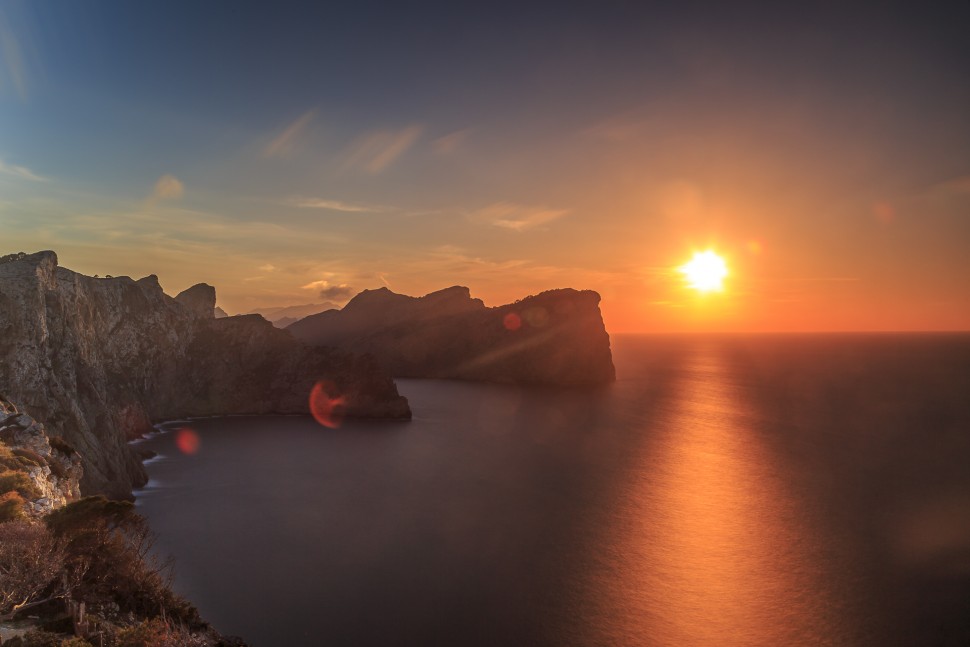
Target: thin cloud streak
x,y
376,151
12,58
331,205
285,143
517,217
451,142
21,172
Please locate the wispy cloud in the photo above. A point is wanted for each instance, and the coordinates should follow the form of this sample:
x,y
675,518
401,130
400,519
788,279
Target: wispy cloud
x,y
376,151
451,142
617,128
168,187
21,172
284,143
332,205
12,58
517,217
959,186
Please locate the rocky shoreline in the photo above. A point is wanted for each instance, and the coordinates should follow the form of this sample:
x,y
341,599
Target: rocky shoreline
x,y
100,359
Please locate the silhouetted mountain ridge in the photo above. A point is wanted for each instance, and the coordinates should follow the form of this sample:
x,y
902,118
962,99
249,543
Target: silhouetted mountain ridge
x,y
556,337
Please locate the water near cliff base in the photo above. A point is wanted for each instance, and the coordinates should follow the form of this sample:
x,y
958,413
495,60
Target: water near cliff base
x,y
737,490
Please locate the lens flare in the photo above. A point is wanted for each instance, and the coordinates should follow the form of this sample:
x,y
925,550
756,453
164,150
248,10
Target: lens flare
x,y
187,441
512,321
325,405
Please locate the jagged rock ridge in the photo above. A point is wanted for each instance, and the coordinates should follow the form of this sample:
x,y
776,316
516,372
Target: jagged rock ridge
x,y
556,337
100,359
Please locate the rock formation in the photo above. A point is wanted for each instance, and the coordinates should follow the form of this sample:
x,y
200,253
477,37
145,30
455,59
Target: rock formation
x,y
99,360
556,337
52,468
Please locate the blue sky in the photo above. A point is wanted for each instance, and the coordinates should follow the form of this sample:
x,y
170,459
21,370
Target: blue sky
x,y
508,147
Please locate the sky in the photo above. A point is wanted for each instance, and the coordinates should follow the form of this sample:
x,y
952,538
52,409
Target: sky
x,y
294,153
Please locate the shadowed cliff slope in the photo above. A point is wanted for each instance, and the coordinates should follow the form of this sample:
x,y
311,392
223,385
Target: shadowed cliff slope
x,y
556,337
100,359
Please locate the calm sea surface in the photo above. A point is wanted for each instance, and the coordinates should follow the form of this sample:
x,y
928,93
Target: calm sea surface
x,y
736,490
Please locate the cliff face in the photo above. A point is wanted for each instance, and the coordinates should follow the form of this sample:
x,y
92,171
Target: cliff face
x,y
100,359
556,337
53,470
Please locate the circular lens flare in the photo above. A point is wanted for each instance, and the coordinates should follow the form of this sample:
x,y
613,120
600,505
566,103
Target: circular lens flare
x,y
512,321
187,441
325,405
705,272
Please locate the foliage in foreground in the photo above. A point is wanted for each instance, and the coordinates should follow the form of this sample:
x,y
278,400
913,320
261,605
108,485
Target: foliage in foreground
x,y
96,552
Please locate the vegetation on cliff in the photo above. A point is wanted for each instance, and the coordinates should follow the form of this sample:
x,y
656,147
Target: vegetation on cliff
x,y
89,576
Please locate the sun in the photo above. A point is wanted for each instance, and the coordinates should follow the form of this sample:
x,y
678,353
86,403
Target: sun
x,y
705,272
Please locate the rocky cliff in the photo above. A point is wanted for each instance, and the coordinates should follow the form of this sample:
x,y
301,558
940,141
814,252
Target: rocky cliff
x,y
37,475
100,359
556,337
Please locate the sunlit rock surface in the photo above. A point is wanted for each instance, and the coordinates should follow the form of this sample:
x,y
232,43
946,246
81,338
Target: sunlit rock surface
x,y
556,337
53,468
99,360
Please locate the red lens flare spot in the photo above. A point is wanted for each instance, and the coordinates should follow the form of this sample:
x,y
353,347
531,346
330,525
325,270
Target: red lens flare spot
x,y
187,441
512,321
325,405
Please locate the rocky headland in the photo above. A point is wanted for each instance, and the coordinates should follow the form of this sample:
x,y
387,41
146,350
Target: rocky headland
x,y
553,338
99,360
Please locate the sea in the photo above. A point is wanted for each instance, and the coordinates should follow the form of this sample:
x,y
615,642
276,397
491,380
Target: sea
x,y
726,490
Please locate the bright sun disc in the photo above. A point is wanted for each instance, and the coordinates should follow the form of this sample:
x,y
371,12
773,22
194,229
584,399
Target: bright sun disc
x,y
705,272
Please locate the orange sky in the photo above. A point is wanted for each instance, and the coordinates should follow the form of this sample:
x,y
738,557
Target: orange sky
x,y
825,155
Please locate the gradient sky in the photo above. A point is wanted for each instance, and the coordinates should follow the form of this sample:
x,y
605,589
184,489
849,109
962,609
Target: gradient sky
x,y
296,154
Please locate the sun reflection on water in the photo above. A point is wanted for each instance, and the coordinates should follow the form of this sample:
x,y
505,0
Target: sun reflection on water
x,y
715,553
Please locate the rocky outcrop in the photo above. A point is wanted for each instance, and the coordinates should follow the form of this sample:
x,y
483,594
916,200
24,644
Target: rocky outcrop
x,y
556,337
52,467
200,300
99,360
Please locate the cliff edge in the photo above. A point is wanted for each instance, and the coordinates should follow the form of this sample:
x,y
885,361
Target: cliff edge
x,y
556,337
100,359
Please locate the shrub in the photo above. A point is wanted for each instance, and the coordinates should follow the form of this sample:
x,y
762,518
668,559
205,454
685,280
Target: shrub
x,y
56,468
62,446
31,566
150,633
32,457
18,482
112,545
36,638
11,507
77,641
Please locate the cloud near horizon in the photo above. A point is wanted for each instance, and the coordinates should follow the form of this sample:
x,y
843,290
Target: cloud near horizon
x,y
516,217
331,205
337,293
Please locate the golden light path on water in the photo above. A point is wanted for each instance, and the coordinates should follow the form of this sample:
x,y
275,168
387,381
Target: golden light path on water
x,y
713,550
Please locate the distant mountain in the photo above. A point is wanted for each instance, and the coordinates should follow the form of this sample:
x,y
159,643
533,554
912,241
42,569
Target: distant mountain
x,y
283,316
556,337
